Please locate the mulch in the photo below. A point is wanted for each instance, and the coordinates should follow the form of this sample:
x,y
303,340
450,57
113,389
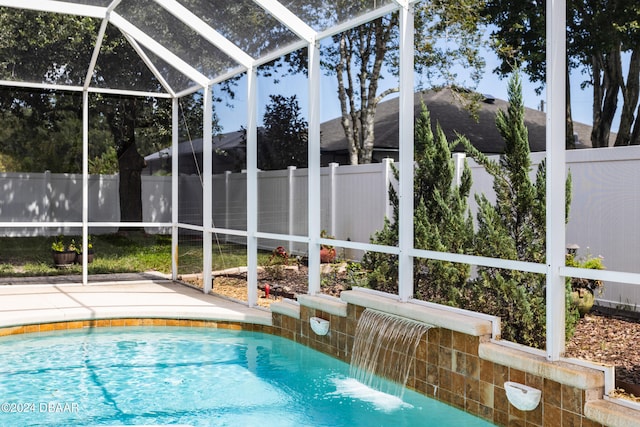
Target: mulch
x,y
612,339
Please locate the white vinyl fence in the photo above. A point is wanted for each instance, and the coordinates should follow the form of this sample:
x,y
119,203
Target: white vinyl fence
x,y
604,213
354,203
50,197
603,219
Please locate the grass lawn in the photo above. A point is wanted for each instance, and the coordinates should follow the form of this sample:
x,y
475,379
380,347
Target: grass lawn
x,y
116,253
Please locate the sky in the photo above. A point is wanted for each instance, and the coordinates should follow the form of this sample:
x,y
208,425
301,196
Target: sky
x,y
232,119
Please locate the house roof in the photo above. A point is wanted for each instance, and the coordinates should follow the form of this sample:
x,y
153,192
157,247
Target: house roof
x,y
225,141
454,119
444,109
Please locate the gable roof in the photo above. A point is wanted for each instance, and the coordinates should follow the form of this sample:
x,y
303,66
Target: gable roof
x,y
447,111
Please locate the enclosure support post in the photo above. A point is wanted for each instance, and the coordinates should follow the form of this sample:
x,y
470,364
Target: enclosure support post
x,y
314,168
556,132
386,182
174,187
291,170
85,187
333,167
207,203
252,186
405,193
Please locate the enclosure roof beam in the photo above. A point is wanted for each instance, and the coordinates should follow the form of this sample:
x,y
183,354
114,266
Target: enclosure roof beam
x,y
357,21
57,7
35,85
205,30
292,47
144,39
69,88
288,19
141,53
96,52
129,92
98,44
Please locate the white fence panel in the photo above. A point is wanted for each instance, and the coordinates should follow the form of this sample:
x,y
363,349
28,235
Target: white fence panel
x,y
189,199
50,197
603,218
360,203
604,214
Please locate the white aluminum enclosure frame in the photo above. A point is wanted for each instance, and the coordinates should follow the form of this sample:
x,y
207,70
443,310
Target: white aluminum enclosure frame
x,y
554,268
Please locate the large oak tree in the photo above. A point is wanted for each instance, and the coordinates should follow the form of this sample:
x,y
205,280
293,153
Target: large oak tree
x,y
603,42
43,128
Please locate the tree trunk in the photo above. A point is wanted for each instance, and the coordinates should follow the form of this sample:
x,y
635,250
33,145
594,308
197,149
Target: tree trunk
x,y
369,45
570,142
131,164
635,135
606,84
345,96
630,97
122,120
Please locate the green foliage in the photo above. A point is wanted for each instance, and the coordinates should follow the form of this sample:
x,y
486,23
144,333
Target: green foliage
x,y
601,35
512,228
106,163
589,262
42,129
284,141
8,163
442,221
592,263
58,244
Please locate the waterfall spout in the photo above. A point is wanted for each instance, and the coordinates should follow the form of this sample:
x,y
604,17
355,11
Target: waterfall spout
x,y
383,350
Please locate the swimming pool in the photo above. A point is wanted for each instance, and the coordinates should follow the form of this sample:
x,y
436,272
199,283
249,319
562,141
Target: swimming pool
x,y
196,377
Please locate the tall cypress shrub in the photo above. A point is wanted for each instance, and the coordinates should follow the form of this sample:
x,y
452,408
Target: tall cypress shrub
x,y
442,221
513,228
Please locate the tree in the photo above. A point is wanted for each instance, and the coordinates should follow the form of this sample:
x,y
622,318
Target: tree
x,y
48,124
41,130
442,221
447,34
606,33
284,140
513,228
600,34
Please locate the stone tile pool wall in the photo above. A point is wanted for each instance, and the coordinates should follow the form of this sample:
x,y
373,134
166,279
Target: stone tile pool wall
x,y
460,369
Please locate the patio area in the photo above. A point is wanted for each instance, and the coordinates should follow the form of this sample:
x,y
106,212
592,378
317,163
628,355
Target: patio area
x,y
141,299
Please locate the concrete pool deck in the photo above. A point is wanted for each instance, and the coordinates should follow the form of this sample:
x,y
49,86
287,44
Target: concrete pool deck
x,y
28,304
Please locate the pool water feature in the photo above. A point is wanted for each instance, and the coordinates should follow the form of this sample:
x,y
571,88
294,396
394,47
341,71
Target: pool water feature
x,y
383,348
192,376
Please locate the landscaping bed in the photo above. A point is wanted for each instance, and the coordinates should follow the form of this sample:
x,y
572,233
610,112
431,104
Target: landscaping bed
x,y
613,339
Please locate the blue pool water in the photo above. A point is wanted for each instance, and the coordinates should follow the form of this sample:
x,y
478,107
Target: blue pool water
x,y
196,377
